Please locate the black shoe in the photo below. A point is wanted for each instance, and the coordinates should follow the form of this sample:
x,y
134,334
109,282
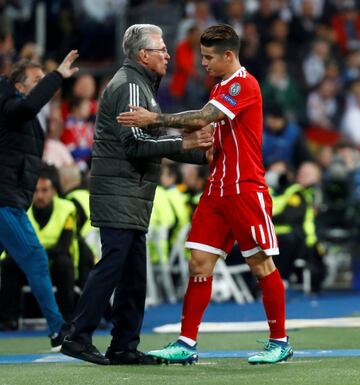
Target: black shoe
x,y
57,339
131,358
83,352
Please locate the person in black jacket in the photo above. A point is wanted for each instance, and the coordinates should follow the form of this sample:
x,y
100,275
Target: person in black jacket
x,y
21,146
54,221
125,171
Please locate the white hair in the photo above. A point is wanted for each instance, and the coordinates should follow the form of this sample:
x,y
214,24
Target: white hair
x,y
136,37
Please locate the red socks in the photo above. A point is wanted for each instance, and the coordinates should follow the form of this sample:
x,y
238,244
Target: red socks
x,y
273,295
198,296
196,299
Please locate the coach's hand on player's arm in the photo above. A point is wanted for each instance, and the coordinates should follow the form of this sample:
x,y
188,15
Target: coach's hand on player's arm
x,y
65,67
136,117
201,139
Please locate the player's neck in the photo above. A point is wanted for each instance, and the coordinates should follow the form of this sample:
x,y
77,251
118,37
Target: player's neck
x,y
231,70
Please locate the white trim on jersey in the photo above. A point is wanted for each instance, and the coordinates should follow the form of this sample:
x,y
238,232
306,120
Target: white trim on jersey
x,y
139,134
237,159
223,166
209,249
240,72
222,108
211,180
255,250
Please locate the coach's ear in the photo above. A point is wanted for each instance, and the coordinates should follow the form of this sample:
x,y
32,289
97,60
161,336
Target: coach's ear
x,y
143,56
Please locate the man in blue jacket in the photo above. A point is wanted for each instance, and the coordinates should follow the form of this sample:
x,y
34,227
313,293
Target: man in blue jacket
x,y
22,96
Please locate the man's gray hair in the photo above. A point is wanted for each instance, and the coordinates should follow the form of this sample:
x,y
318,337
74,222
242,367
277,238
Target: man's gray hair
x,y
136,37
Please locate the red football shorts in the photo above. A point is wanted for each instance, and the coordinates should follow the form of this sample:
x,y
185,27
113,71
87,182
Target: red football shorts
x,y
246,218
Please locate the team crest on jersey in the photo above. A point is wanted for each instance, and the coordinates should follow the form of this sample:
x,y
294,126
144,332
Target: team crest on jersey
x,y
234,89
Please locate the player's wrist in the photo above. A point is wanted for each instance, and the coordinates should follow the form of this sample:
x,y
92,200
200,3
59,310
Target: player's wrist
x,y
156,118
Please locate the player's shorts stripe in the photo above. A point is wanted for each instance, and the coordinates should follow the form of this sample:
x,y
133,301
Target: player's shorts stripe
x,y
262,204
273,232
253,233
263,239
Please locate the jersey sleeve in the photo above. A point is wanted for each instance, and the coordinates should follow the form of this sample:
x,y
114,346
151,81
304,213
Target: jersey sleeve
x,y
233,98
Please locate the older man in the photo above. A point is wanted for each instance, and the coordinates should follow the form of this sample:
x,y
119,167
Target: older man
x,y
124,174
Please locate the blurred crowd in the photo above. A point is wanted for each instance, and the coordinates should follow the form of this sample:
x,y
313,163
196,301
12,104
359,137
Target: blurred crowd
x,y
306,56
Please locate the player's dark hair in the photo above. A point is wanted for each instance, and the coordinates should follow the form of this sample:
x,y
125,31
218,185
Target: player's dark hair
x,y
222,37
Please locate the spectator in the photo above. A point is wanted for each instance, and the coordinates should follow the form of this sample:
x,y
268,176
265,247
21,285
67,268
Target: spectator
x,y
346,26
283,140
303,25
351,117
87,236
6,52
279,87
198,13
55,152
351,70
235,16
84,87
169,179
188,85
314,62
264,17
250,50
323,109
78,133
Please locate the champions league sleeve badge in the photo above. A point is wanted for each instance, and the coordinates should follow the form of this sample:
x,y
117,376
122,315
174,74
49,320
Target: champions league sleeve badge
x,y
234,89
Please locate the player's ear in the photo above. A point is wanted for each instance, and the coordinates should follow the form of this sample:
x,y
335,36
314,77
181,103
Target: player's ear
x,y
227,55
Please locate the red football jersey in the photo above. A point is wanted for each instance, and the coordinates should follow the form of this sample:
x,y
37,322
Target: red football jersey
x,y
237,164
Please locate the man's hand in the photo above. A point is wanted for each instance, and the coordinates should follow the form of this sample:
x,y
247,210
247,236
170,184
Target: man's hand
x,y
137,117
201,139
65,67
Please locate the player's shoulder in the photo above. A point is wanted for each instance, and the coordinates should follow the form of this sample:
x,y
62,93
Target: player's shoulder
x,y
240,81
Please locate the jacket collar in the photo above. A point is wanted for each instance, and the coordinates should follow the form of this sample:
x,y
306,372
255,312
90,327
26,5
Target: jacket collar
x,y
151,77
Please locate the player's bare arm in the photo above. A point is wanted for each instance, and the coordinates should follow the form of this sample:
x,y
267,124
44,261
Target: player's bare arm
x,y
191,120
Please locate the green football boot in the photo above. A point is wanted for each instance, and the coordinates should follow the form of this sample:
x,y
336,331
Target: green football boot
x,y
274,351
177,352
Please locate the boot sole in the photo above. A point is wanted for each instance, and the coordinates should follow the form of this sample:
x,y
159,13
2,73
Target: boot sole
x,y
188,361
287,358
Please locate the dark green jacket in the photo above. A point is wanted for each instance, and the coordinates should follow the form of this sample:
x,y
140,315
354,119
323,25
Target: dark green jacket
x,y
126,161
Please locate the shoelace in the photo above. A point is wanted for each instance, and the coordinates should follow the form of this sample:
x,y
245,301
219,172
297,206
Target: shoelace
x,y
268,345
170,345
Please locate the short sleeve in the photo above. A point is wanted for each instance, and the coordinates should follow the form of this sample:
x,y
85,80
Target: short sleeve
x,y
233,98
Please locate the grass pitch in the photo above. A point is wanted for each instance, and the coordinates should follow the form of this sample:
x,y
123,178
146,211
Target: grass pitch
x,y
299,371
